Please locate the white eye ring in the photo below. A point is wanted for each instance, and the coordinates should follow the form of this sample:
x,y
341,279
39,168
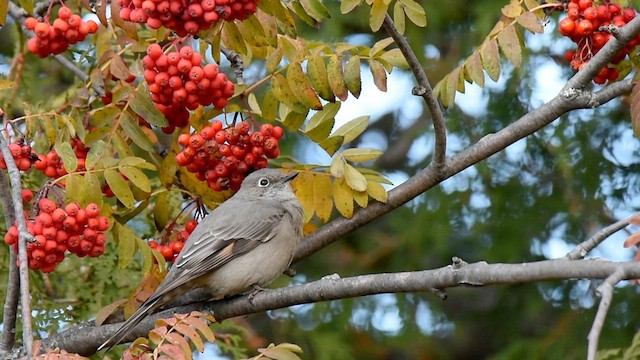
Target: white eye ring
x,y
263,182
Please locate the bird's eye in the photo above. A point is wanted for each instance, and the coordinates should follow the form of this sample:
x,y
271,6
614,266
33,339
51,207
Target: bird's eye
x,y
263,182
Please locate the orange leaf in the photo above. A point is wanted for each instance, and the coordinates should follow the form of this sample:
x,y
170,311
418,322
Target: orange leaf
x,y
491,59
510,45
632,240
104,313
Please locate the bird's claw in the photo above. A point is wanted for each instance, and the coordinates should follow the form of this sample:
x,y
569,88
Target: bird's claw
x,y
256,289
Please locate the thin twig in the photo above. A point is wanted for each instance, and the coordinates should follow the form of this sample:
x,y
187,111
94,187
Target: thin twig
x,y
16,194
423,89
585,247
605,290
13,282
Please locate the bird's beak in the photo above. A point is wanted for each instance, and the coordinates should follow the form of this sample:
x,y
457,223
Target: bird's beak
x,y
290,177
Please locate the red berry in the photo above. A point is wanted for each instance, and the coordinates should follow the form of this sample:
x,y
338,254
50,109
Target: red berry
x,y
92,210
27,195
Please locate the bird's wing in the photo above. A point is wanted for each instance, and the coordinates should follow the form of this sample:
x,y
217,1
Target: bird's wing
x,y
219,239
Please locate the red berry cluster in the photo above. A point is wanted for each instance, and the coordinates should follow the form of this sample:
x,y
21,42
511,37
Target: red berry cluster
x,y
56,230
582,24
51,163
171,250
55,38
22,154
185,16
223,157
179,83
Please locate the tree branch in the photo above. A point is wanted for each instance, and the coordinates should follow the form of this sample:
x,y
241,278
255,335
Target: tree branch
x,y
85,338
570,98
585,247
605,290
16,195
423,89
13,282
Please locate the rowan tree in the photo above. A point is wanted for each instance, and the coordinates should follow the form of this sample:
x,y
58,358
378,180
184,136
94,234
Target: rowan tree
x,y
124,122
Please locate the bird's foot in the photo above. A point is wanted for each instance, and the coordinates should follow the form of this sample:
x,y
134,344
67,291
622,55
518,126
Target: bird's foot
x,y
256,289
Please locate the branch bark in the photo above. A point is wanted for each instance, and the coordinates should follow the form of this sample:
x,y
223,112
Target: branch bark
x,y
85,338
13,282
606,292
585,247
572,97
16,195
423,89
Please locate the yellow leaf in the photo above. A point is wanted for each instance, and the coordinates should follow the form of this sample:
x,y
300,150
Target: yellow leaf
x,y
491,59
377,191
379,74
6,84
415,12
336,78
530,22
346,6
283,92
513,9
303,188
361,155
473,67
399,18
68,156
232,38
273,59
378,12
343,198
337,167
354,178
379,46
510,45
353,128
329,112
315,9
361,198
322,196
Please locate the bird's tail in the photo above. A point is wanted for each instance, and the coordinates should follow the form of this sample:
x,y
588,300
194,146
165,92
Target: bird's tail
x,y
145,309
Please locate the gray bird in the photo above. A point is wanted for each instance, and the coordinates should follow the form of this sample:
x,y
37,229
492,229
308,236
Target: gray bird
x,y
245,243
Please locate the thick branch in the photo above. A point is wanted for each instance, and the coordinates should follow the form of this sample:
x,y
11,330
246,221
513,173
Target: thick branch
x,y
423,89
13,282
85,338
570,98
16,195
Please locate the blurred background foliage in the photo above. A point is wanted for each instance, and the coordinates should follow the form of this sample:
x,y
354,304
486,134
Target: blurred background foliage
x,y
531,202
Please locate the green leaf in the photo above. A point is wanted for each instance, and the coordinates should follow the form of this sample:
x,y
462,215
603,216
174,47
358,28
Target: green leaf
x,y
137,177
294,120
354,178
137,162
491,59
328,113
396,58
510,45
353,128
91,190
336,78
105,116
68,156
232,38
141,104
269,105
415,12
317,71
321,131
301,87
273,59
302,13
75,184
145,253
283,92
126,244
378,12
352,76
315,9
379,74
331,144
132,129
119,187
346,6
94,155
361,155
